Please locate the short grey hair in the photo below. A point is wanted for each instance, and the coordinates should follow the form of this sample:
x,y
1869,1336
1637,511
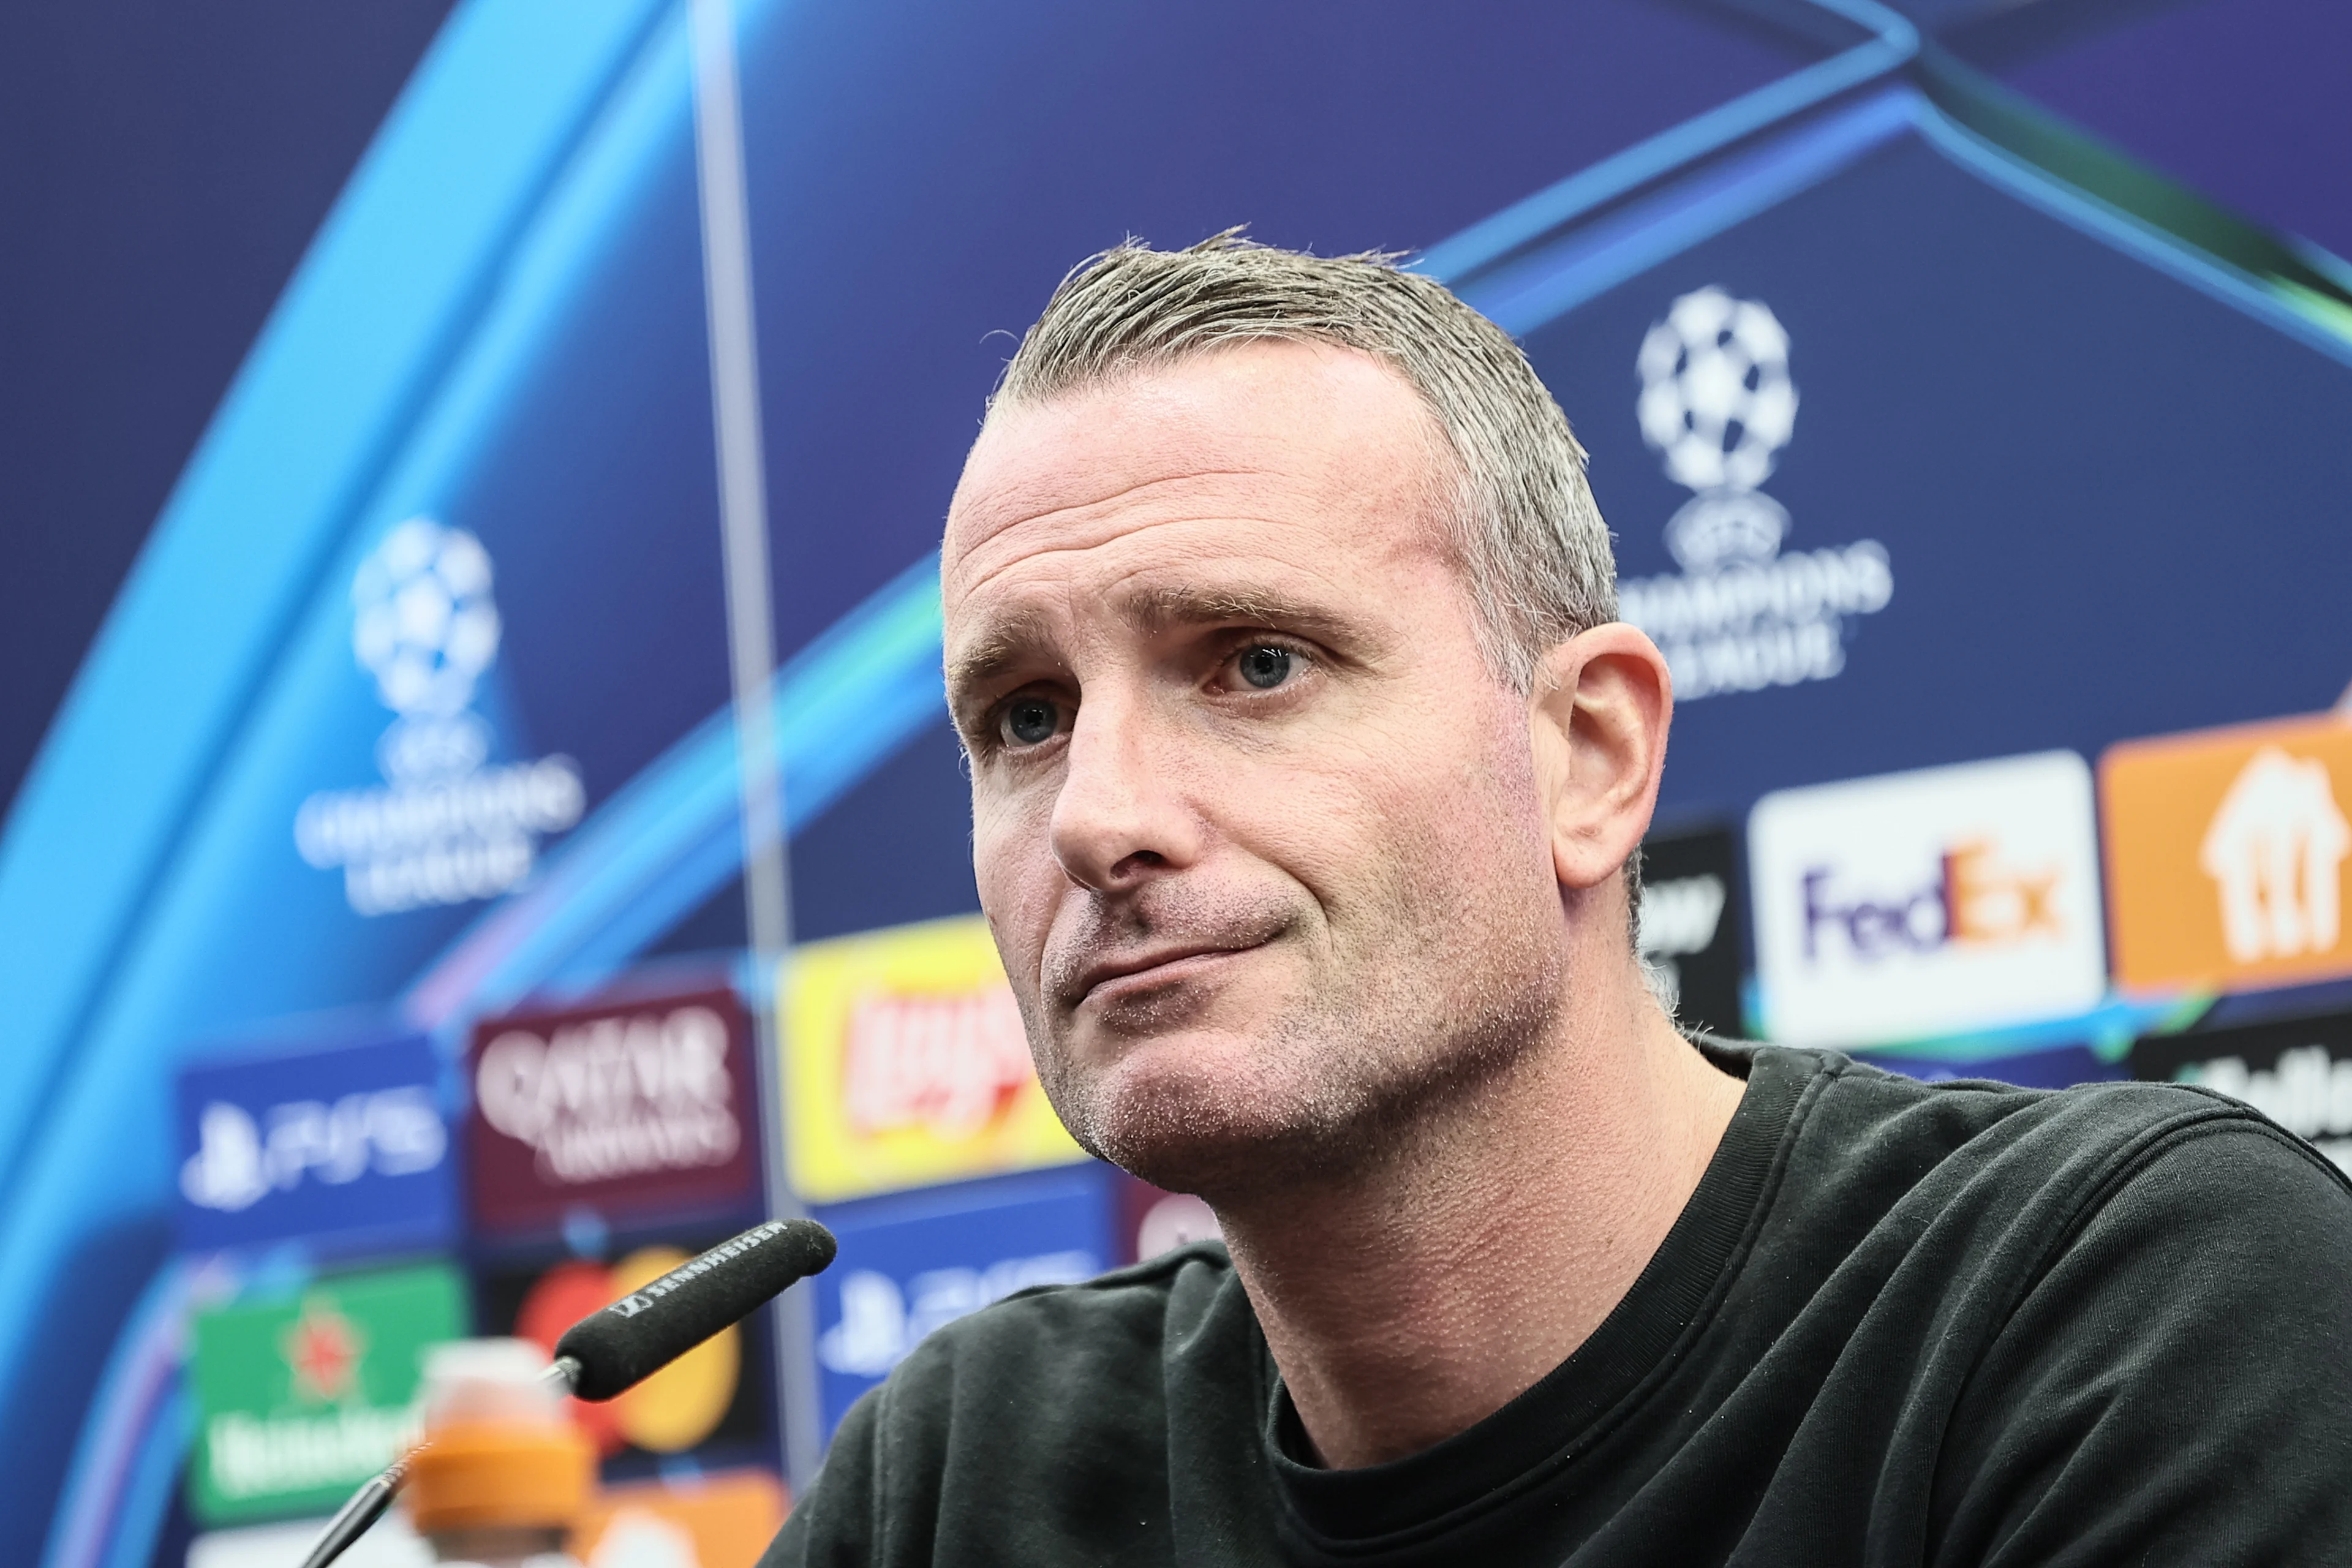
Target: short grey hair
x,y
1530,539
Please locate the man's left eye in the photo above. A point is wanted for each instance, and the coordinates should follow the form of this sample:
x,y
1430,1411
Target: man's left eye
x,y
1265,665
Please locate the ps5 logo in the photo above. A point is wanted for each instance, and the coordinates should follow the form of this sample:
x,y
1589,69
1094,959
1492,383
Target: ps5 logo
x,y
1718,404
449,827
240,1161
881,1323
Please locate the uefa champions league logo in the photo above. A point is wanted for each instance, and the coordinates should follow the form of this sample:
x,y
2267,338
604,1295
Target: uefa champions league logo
x,y
1717,399
424,624
1717,404
448,829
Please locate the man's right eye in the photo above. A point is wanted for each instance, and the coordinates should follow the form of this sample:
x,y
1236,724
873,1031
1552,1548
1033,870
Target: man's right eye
x,y
1029,721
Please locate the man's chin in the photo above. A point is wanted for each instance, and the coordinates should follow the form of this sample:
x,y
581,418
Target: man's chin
x,y
1196,1111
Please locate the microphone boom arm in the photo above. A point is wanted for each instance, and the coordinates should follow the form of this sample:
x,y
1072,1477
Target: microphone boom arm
x,y
718,1289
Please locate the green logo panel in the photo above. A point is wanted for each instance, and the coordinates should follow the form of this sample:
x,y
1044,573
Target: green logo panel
x,y
301,1398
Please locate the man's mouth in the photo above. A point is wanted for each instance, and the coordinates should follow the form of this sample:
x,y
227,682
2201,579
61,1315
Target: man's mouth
x,y
1127,974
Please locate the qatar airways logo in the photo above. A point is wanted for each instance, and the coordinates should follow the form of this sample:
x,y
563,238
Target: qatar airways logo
x,y
1717,404
448,825
618,1095
1928,904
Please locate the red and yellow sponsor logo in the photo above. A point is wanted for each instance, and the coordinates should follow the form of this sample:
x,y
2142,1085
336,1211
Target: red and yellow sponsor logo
x,y
908,1064
676,1407
2227,853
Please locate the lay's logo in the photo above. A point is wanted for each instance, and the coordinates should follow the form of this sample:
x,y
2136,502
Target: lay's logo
x,y
951,1064
908,1064
1928,904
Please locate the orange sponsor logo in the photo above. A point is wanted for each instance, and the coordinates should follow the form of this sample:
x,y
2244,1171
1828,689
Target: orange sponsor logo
x,y
2227,851
676,1407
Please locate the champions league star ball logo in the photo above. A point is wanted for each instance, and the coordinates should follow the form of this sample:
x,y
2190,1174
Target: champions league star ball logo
x,y
1717,404
423,625
1717,399
448,829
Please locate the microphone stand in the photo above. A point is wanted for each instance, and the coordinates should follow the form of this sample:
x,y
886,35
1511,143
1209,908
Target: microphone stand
x,y
367,1505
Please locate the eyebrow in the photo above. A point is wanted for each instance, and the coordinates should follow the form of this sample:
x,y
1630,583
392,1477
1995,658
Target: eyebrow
x,y
1009,641
1150,610
1017,638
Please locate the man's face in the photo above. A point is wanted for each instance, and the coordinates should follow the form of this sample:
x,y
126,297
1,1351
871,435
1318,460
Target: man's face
x,y
1258,829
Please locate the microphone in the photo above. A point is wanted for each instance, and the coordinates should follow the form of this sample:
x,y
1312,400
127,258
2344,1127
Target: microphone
x,y
615,1348
611,1350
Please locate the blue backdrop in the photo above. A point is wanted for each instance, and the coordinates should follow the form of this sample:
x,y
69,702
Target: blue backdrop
x,y
2089,420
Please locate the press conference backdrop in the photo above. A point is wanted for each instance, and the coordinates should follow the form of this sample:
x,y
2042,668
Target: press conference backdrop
x,y
1939,439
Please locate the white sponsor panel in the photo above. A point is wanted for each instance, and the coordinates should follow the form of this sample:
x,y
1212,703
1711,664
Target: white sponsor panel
x,y
1925,904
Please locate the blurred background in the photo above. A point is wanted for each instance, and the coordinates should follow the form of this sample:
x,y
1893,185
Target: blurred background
x,y
1968,383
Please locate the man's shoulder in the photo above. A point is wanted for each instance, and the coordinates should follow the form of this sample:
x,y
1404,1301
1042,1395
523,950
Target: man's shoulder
x,y
1959,1110
1868,1144
2059,1150
1044,1414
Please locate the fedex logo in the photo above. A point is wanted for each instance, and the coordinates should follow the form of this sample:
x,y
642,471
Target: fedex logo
x,y
1976,896
1928,904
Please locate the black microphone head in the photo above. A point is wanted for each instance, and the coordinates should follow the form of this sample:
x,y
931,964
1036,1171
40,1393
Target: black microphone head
x,y
619,1345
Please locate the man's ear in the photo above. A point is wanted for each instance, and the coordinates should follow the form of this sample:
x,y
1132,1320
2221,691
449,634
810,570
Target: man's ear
x,y
1599,709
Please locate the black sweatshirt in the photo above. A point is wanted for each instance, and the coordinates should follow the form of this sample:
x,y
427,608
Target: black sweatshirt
x,y
1897,1323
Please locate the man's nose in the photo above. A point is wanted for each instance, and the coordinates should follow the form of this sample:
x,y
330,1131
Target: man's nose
x,y
1121,812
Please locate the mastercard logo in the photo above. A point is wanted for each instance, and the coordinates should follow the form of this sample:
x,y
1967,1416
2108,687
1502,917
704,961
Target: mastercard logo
x,y
669,1412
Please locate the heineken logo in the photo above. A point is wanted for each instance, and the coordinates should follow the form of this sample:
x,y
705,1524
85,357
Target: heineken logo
x,y
252,1457
323,1351
303,1397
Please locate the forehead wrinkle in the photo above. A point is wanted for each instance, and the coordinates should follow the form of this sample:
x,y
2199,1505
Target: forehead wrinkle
x,y
1071,514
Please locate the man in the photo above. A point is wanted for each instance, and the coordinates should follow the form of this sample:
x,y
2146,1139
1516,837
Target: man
x,y
1309,770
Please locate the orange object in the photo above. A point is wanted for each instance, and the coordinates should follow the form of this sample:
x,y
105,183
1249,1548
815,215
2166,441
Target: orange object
x,y
2226,855
724,1521
487,1475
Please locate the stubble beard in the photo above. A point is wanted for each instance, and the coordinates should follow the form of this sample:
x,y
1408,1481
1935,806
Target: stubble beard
x,y
1392,1040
